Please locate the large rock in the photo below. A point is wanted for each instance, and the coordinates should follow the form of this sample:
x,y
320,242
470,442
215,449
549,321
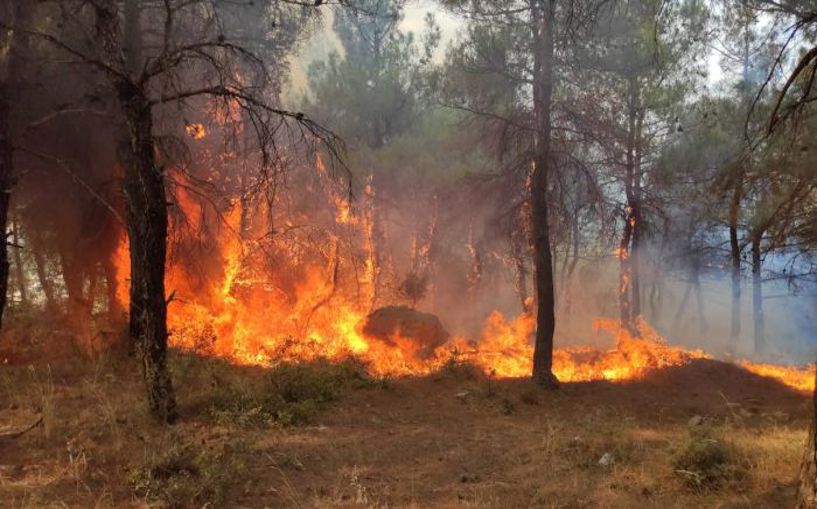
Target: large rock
x,y
406,328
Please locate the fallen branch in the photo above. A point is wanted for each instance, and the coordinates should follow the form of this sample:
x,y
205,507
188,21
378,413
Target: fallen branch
x,y
11,435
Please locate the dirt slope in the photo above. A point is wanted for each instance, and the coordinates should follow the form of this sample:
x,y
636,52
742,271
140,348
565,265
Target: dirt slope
x,y
448,440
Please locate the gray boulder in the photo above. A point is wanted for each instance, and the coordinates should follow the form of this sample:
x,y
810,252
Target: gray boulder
x,y
425,329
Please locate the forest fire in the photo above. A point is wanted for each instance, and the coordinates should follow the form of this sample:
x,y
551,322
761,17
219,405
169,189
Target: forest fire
x,y
336,254
243,316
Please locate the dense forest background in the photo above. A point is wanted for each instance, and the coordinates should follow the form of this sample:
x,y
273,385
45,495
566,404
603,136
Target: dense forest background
x,y
719,254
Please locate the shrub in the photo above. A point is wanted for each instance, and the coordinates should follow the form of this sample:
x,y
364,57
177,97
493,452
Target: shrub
x,y
184,477
460,369
707,461
292,394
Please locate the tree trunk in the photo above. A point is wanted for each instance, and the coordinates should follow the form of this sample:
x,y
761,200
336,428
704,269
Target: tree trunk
x,y
625,276
757,296
474,276
543,27
570,268
521,278
77,308
146,218
679,313
807,487
734,210
699,298
18,265
9,71
45,281
115,311
6,181
629,275
656,297
147,230
635,269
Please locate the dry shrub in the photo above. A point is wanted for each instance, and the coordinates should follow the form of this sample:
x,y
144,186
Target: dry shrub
x,y
183,476
707,461
293,394
459,369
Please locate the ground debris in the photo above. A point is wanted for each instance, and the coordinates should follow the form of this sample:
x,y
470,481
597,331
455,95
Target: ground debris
x,y
607,460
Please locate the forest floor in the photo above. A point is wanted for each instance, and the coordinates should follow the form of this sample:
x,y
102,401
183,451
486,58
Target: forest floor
x,y
707,434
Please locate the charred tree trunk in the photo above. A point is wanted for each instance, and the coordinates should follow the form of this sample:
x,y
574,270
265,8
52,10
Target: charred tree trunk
x,y
757,295
734,211
543,28
146,218
629,277
9,71
147,230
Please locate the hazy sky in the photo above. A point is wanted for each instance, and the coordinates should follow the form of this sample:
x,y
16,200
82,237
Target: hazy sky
x,y
414,20
416,11
415,14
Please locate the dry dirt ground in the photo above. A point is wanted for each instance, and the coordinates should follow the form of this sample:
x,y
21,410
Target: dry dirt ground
x,y
452,439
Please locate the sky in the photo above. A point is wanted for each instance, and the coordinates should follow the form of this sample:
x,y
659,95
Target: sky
x,y
324,42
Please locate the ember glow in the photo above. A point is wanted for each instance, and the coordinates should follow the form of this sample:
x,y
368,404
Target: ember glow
x,y
195,131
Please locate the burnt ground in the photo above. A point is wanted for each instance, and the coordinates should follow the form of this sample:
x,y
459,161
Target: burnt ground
x,y
453,439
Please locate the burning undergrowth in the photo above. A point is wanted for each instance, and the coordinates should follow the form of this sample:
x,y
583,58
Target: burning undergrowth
x,y
250,320
263,281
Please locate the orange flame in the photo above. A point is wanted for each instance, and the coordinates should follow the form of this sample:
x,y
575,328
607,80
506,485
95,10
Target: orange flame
x,y
797,378
243,315
195,131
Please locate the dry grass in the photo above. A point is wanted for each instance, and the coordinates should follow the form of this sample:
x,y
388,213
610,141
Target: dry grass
x,y
448,440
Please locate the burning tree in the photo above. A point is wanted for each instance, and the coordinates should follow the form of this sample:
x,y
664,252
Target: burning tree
x,y
198,58
513,47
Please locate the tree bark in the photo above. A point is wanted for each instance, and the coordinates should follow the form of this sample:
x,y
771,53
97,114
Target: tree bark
x,y
6,182
543,27
757,296
43,277
22,281
73,277
115,311
146,218
629,275
9,71
625,276
734,211
807,486
566,302
699,298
